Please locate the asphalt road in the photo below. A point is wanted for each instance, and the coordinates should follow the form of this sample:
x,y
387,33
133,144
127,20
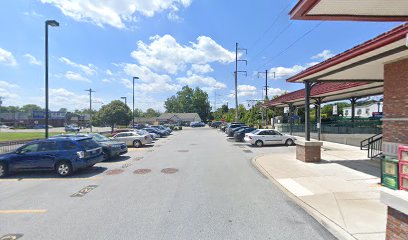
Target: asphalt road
x,y
215,193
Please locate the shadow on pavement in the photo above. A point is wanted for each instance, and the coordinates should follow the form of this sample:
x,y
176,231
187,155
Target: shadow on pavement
x,y
370,167
116,159
83,173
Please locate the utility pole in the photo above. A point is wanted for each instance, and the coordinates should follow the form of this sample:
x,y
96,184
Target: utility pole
x,y
1,102
266,91
90,107
236,76
125,98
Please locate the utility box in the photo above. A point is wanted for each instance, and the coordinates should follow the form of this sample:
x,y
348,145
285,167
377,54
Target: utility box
x,y
389,172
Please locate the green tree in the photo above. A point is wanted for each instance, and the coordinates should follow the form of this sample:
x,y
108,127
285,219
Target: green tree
x,y
28,108
189,100
116,112
150,112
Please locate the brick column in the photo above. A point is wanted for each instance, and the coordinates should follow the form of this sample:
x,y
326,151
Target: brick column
x,y
397,225
395,122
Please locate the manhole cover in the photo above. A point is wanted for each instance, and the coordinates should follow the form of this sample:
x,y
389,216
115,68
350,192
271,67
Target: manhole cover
x,y
142,171
114,171
11,237
247,151
169,170
182,150
137,158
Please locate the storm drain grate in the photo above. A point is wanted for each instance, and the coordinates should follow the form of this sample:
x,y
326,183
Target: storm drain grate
x,y
169,170
126,165
137,158
183,150
247,151
84,191
11,236
114,172
142,171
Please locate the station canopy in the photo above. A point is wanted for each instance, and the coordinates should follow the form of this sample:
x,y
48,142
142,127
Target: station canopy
x,y
351,10
328,92
364,62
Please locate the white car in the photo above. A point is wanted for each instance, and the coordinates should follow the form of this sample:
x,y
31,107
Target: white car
x,y
154,136
263,137
132,139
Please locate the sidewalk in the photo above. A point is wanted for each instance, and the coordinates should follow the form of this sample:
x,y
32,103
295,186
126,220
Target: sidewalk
x,y
342,191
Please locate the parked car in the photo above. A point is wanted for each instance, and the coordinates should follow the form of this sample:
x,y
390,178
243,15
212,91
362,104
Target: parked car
x,y
120,130
216,124
232,126
110,148
139,126
132,139
163,128
197,124
72,128
233,130
4,126
156,131
41,126
154,136
263,137
240,134
63,155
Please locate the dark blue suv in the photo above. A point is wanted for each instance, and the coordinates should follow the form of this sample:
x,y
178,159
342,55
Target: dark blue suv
x,y
63,155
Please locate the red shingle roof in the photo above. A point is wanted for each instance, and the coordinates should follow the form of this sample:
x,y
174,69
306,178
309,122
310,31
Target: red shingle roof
x,y
317,90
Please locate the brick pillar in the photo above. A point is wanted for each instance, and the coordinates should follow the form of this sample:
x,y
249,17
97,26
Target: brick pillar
x,y
395,124
397,225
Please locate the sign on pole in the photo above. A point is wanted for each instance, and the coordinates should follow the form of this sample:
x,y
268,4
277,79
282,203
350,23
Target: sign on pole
x,y
334,109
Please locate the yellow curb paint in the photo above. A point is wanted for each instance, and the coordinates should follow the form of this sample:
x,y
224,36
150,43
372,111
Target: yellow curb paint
x,y
23,211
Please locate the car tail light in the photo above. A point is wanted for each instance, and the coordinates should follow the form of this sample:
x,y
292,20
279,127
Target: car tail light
x,y
81,154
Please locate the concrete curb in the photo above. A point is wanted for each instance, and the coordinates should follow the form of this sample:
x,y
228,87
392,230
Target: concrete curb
x,y
332,227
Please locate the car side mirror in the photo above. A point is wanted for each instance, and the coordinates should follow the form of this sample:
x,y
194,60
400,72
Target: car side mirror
x,y
18,151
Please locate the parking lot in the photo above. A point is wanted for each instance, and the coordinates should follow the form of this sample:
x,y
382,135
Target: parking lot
x,y
195,183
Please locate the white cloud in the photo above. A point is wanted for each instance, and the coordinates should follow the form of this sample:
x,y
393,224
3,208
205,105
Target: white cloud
x,y
76,77
275,91
148,81
201,68
106,80
166,54
33,13
244,91
59,97
32,59
89,69
115,13
7,58
201,80
326,54
7,90
109,72
281,72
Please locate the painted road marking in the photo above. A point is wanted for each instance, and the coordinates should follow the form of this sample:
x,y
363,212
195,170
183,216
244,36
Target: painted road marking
x,y
13,236
84,191
47,179
294,187
23,211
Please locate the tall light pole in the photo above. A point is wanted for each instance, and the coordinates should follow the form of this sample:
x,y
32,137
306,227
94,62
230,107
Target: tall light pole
x,y
133,106
51,23
125,98
90,107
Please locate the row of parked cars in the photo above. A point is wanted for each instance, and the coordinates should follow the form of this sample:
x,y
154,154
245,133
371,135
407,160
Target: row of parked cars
x,y
67,153
258,137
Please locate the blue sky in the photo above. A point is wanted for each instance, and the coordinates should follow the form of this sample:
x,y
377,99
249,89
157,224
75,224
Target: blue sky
x,y
101,44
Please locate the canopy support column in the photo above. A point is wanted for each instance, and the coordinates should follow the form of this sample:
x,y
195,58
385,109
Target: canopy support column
x,y
319,117
308,87
291,118
353,101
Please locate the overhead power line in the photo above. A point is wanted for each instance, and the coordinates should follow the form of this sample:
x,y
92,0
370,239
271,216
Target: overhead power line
x,y
291,45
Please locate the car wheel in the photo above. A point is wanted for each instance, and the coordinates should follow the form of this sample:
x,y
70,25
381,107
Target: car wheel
x,y
64,169
137,144
289,142
3,170
259,143
105,156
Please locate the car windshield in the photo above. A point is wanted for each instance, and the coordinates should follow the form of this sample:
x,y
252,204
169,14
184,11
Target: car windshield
x,y
99,137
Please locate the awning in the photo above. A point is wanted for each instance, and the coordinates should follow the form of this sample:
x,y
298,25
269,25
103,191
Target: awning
x,y
351,10
329,91
364,62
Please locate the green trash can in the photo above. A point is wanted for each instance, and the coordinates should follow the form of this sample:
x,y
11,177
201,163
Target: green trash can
x,y
389,172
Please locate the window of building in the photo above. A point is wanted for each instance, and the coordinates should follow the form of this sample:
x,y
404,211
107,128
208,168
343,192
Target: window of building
x,y
359,112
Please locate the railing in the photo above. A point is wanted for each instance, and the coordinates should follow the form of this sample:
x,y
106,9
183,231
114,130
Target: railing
x,y
373,145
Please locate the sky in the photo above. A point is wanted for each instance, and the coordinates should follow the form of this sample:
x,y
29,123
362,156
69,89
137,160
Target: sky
x,y
102,44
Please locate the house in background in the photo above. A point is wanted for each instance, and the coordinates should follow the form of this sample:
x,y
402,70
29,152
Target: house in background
x,y
143,120
178,118
365,111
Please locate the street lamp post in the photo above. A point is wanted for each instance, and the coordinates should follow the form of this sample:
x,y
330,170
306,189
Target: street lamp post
x,y
125,98
51,23
133,106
